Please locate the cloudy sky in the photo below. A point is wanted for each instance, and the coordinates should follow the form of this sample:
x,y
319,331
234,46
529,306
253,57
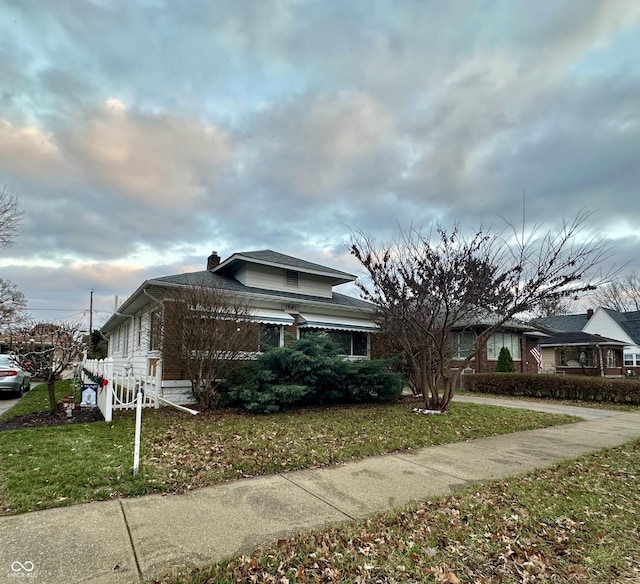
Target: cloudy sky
x,y
140,135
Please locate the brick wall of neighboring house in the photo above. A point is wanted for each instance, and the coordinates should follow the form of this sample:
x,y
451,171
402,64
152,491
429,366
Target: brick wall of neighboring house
x,y
528,363
481,364
381,347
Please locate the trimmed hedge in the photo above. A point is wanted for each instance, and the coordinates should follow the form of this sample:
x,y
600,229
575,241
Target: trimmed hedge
x,y
567,387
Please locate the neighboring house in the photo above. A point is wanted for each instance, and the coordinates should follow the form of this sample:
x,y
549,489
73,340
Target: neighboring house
x,y
619,326
518,337
288,298
580,353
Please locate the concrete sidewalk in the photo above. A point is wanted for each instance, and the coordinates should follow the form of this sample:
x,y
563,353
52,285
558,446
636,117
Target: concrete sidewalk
x,y
133,540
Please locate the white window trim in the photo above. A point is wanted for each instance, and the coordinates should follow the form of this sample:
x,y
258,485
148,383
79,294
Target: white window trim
x,y
513,337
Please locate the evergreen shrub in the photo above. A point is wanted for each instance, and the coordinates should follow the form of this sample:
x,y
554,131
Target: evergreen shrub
x,y
505,362
376,380
309,372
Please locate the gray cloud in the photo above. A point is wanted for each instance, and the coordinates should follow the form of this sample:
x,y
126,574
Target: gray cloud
x,y
140,136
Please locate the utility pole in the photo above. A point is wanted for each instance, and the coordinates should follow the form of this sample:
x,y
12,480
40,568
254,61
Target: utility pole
x,y
91,313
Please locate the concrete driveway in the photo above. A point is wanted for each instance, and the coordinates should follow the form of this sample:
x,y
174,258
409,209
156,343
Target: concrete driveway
x,y
6,403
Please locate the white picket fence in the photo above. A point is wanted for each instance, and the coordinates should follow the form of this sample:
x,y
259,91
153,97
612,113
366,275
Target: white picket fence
x,y
117,390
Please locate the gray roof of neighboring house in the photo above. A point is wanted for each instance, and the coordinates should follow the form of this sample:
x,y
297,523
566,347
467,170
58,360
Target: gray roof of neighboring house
x,y
578,338
563,323
628,321
488,319
273,258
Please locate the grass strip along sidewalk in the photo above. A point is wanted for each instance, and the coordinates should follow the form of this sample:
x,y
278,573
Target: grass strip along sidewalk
x,y
577,521
62,465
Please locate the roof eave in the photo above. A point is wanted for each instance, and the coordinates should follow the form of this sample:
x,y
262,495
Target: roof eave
x,y
337,278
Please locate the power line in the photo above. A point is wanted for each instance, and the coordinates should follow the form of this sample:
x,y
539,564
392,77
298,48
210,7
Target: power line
x,y
72,308
67,309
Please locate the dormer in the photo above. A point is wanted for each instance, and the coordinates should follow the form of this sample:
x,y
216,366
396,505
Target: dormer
x,y
270,270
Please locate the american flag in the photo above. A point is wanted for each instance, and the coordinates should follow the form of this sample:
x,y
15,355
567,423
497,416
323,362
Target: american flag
x,y
537,355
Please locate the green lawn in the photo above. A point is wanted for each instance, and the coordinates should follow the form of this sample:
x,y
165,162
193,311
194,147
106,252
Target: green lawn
x,y
54,466
37,400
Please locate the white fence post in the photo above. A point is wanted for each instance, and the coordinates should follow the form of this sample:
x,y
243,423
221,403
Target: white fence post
x,y
158,382
108,389
136,447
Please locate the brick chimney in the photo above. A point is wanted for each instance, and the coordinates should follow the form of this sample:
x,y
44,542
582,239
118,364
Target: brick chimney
x,y
213,260
589,313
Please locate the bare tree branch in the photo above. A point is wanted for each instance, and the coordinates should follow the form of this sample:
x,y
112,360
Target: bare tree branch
x,y
207,332
621,294
47,349
13,305
10,218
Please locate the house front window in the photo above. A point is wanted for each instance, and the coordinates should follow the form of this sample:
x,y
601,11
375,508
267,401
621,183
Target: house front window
x,y
138,331
155,330
631,360
464,344
576,357
498,340
125,340
352,344
610,359
269,336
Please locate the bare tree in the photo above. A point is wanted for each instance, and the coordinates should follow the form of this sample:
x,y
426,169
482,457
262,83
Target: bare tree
x,y
46,350
207,332
554,307
621,294
430,287
13,305
10,218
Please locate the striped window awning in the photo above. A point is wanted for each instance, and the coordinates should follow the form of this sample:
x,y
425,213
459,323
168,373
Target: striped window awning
x,y
337,323
268,316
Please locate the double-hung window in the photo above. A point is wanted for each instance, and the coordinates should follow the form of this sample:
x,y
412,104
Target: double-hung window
x,y
631,360
464,344
498,340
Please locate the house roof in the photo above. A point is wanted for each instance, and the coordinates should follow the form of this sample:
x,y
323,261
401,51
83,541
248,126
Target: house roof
x,y
627,321
215,280
578,338
154,288
269,257
489,319
562,323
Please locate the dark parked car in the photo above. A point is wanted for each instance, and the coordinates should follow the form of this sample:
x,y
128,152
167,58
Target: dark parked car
x,y
13,378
